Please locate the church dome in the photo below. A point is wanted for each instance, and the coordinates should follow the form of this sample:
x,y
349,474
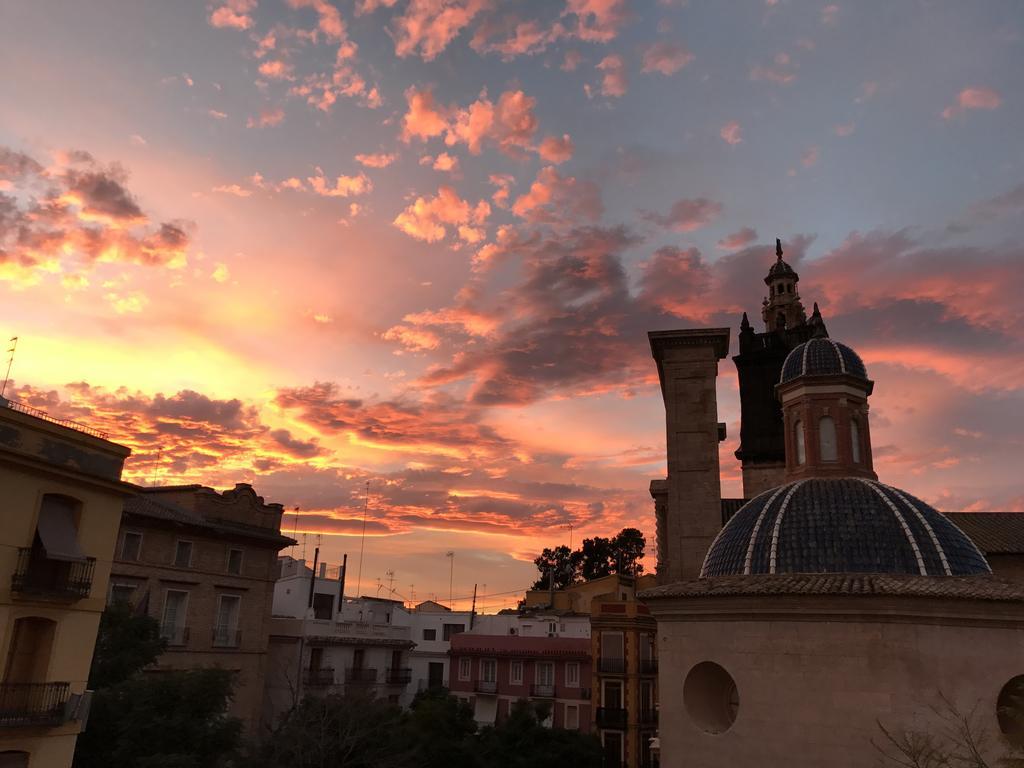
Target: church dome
x,y
841,525
781,269
822,357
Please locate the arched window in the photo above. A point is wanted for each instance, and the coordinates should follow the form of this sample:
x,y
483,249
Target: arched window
x,y
827,439
855,440
798,438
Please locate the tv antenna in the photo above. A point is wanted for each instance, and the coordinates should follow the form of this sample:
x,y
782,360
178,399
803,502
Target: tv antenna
x,y
391,581
362,540
10,362
451,579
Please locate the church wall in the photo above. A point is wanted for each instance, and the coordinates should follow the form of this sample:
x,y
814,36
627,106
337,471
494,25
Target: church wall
x,y
761,477
811,690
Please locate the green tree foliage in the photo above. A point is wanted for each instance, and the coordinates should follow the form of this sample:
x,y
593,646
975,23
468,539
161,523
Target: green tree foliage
x,y
597,557
161,720
125,644
441,729
521,741
152,720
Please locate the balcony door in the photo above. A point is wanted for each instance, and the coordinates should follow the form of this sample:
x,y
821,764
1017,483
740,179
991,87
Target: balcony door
x,y
226,631
28,660
172,627
612,698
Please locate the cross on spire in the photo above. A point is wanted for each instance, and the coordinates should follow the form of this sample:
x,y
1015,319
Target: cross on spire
x,y
778,248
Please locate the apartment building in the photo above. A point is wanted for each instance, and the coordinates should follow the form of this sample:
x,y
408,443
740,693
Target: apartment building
x,y
60,497
204,564
491,672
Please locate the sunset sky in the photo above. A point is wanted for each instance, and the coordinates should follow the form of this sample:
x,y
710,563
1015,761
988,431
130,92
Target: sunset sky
x,y
308,244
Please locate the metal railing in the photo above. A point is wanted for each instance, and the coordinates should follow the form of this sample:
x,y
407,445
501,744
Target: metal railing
x,y
14,405
648,666
648,716
318,677
541,691
35,574
608,717
174,635
584,693
486,686
225,637
33,703
360,675
399,676
613,666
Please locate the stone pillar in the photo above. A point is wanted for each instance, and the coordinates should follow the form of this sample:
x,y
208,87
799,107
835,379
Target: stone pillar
x,y
688,368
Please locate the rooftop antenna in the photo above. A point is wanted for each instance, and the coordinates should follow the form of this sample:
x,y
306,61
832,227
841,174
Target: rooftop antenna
x,y
362,540
295,533
10,362
451,579
391,582
412,594
569,526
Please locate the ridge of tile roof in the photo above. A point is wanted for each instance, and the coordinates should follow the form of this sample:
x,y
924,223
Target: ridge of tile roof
x,y
995,533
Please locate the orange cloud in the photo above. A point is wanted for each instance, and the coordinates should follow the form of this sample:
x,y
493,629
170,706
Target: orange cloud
x,y
344,186
687,215
972,98
731,133
598,21
379,160
665,57
423,119
555,149
427,26
555,198
234,14
269,116
329,19
276,69
428,219
738,239
613,83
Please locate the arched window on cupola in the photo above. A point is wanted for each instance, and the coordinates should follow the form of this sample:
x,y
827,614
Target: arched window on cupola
x,y
855,440
827,439
798,439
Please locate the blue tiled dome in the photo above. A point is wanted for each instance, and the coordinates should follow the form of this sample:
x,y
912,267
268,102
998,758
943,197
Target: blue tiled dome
x,y
841,525
822,357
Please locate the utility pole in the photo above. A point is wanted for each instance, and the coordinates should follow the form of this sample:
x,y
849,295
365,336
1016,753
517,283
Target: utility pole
x,y
451,580
362,541
472,612
10,362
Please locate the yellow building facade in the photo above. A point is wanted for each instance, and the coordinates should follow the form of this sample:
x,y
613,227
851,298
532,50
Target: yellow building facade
x,y
60,499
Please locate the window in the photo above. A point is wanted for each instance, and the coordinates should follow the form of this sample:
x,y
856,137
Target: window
x,y
323,606
183,554
515,673
552,628
430,634
172,627
131,545
225,632
572,674
798,438
488,671
545,673
57,530
465,668
613,657
827,438
121,593
572,717
28,659
452,629
235,561
855,441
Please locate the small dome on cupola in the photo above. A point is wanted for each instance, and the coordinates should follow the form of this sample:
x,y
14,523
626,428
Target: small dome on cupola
x,y
780,268
822,357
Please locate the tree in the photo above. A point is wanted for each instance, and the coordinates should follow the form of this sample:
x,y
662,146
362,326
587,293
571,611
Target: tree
x,y
596,558
125,644
441,729
521,741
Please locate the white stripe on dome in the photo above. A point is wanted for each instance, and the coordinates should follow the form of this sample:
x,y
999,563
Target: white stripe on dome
x,y
803,360
927,527
778,524
757,527
839,354
906,529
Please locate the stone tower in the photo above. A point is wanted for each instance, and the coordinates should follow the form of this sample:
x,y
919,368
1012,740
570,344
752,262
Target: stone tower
x,y
762,450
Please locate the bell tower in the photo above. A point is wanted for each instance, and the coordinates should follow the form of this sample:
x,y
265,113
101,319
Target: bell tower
x,y
782,309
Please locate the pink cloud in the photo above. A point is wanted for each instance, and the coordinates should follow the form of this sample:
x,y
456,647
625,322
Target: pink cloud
x,y
276,69
687,215
378,160
445,163
555,149
571,61
423,119
973,98
553,198
344,186
614,81
428,26
233,189
598,21
428,218
843,130
234,14
665,57
269,116
731,133
512,37
738,239
780,71
809,157
830,15
329,19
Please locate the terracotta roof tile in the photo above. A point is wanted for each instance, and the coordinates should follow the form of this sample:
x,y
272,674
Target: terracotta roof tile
x,y
995,533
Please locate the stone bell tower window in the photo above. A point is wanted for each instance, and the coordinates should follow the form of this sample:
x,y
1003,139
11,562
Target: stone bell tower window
x,y
855,441
827,439
798,437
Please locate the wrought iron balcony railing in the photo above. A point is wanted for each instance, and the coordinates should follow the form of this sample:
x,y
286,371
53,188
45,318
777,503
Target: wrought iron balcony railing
x,y
33,703
611,717
360,675
613,666
541,691
399,676
648,717
35,574
648,666
486,686
225,637
318,678
174,635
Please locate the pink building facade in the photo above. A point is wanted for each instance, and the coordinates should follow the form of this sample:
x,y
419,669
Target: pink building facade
x,y
492,672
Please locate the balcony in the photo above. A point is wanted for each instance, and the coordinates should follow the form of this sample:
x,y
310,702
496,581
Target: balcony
x,y
585,693
613,666
648,717
318,678
360,675
26,704
174,635
398,676
225,637
542,691
37,575
486,686
648,666
609,717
